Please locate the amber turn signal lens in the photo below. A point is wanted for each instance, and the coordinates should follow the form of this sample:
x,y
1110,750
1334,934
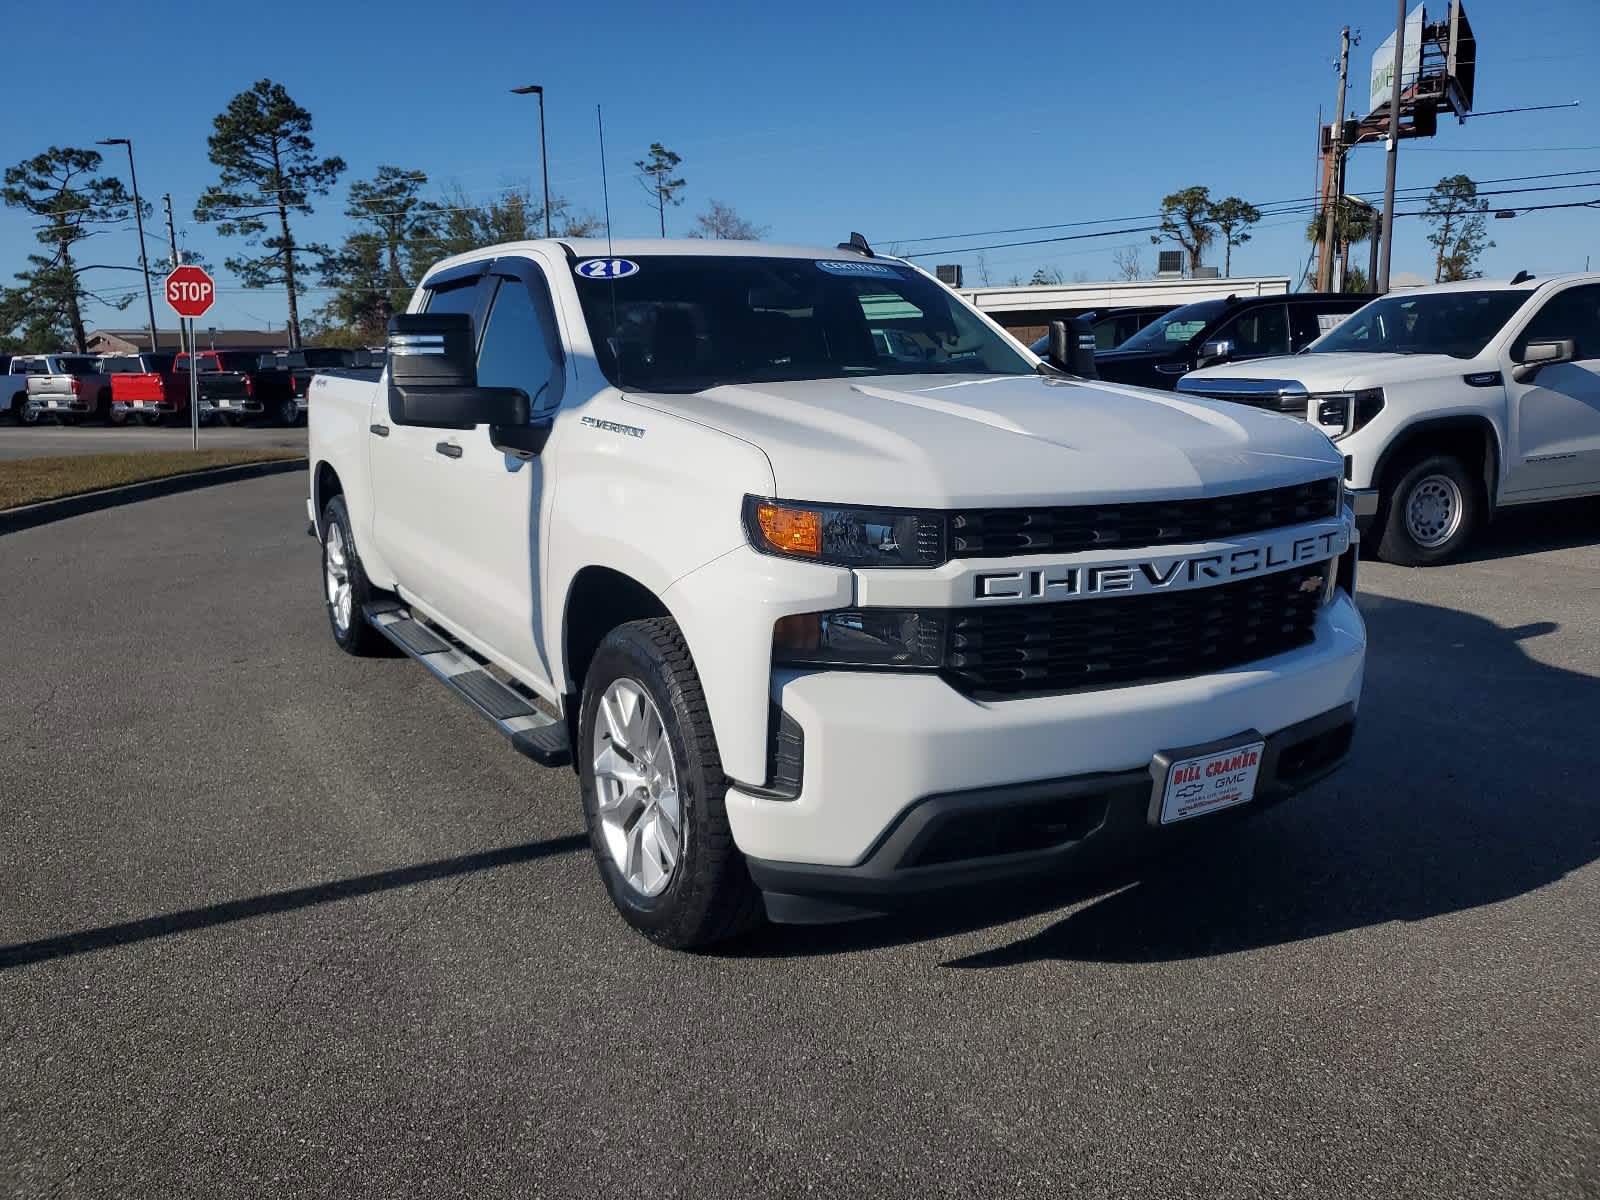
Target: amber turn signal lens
x,y
791,530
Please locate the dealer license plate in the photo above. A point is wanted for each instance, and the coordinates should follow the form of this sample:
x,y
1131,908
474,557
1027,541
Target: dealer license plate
x,y
52,404
224,403
1210,782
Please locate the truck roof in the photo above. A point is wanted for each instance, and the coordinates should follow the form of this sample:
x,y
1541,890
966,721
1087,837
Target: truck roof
x,y
641,247
1497,285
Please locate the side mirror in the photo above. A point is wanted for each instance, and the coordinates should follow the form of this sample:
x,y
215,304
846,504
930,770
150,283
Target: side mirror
x,y
1071,347
433,376
1214,352
1543,354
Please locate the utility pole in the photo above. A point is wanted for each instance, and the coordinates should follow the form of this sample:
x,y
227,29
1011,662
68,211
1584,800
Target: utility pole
x,y
172,251
1392,146
1326,280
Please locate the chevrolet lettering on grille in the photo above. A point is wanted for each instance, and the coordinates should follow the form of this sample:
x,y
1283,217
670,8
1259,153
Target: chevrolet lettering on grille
x,y
1171,573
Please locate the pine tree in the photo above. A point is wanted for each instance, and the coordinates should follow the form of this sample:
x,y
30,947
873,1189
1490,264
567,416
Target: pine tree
x,y
64,189
268,168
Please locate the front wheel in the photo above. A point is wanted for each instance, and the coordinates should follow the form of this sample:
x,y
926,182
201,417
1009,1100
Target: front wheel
x,y
653,792
345,586
1430,513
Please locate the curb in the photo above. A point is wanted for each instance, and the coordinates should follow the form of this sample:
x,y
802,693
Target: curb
x,y
14,520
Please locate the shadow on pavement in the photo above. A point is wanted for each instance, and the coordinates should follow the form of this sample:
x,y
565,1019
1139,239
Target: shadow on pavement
x,y
1472,782
187,921
1531,528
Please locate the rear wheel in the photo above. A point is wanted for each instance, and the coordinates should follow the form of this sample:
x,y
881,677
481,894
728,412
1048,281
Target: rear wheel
x,y
345,586
653,792
286,411
118,416
26,414
1430,513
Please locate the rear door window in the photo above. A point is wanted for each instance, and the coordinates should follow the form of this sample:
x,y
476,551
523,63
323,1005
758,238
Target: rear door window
x,y
1257,332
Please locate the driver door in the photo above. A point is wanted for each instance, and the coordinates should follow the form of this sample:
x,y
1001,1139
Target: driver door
x,y
1555,416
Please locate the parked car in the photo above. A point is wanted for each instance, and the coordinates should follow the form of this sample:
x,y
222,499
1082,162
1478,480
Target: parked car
x,y
1236,329
826,626
303,365
235,386
1447,402
71,388
146,387
1113,326
14,383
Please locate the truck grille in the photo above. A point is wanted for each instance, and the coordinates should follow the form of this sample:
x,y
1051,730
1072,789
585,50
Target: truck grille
x,y
998,532
1022,649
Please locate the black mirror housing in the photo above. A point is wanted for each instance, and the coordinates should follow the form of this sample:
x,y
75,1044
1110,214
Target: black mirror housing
x,y
433,376
1071,347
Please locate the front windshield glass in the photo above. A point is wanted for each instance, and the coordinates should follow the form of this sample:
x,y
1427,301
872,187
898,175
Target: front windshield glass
x,y
1459,324
684,323
1177,328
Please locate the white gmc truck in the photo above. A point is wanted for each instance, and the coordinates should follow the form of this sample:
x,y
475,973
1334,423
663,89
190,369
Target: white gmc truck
x,y
836,597
1447,402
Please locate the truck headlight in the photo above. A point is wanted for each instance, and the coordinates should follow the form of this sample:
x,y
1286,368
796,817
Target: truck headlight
x,y
845,537
883,638
1339,414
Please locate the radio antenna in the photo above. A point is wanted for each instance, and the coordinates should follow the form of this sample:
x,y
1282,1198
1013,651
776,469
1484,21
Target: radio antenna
x,y
605,192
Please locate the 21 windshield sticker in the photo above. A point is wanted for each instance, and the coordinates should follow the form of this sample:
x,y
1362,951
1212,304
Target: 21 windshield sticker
x,y
607,268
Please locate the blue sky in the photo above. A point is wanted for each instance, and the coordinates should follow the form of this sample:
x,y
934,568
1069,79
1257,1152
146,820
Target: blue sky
x,y
899,120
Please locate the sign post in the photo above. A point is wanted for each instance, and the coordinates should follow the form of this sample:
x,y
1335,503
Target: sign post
x,y
190,293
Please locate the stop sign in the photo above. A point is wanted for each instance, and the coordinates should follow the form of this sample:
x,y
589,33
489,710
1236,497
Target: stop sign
x,y
190,291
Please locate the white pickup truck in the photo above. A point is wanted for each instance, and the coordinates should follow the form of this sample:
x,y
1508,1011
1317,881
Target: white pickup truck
x,y
1447,403
836,597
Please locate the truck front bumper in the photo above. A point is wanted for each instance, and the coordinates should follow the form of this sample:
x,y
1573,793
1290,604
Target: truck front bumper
x,y
909,788
1365,502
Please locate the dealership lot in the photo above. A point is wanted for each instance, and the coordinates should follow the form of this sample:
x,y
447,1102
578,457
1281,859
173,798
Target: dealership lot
x,y
282,922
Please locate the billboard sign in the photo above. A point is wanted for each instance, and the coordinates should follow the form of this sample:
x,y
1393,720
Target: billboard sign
x,y
1382,79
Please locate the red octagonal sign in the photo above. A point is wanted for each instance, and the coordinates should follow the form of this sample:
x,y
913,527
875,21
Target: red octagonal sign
x,y
190,291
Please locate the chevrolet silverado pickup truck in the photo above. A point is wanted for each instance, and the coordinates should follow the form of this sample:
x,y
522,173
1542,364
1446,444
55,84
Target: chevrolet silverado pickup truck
x,y
235,385
1447,402
147,387
72,388
830,622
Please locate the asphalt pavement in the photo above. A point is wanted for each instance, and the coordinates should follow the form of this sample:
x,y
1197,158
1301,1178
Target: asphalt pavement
x,y
279,922
45,440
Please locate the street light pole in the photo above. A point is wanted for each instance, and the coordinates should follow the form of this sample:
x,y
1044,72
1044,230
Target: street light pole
x,y
138,221
533,89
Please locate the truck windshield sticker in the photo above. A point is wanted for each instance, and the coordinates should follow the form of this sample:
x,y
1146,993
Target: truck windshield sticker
x,y
607,268
867,269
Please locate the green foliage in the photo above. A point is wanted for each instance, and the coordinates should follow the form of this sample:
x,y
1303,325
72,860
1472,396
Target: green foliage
x,y
1233,218
1355,280
64,189
656,176
1352,223
267,168
1460,231
460,224
1186,220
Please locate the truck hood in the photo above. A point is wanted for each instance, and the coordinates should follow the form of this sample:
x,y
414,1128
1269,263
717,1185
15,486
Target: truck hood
x,y
938,441
1339,372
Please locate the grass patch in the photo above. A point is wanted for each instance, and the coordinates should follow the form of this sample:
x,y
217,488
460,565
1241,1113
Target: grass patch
x,y
30,480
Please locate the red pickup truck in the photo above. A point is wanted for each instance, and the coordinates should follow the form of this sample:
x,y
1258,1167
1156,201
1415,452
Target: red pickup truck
x,y
147,387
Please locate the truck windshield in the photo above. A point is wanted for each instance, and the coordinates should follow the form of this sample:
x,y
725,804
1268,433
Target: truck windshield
x,y
1177,328
1459,324
684,323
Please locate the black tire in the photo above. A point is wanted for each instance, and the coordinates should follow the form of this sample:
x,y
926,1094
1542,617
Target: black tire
x,y
709,897
286,411
1457,495
356,636
116,418
26,415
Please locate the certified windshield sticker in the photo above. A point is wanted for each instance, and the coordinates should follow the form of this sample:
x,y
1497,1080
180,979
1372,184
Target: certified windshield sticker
x,y
866,269
607,268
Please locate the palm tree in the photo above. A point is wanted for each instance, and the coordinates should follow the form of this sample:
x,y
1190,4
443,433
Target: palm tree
x,y
1353,223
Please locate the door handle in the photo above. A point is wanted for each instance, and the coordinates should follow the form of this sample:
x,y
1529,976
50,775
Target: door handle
x,y
380,430
448,449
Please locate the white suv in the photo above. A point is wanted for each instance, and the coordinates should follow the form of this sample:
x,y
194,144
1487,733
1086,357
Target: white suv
x,y
1447,402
